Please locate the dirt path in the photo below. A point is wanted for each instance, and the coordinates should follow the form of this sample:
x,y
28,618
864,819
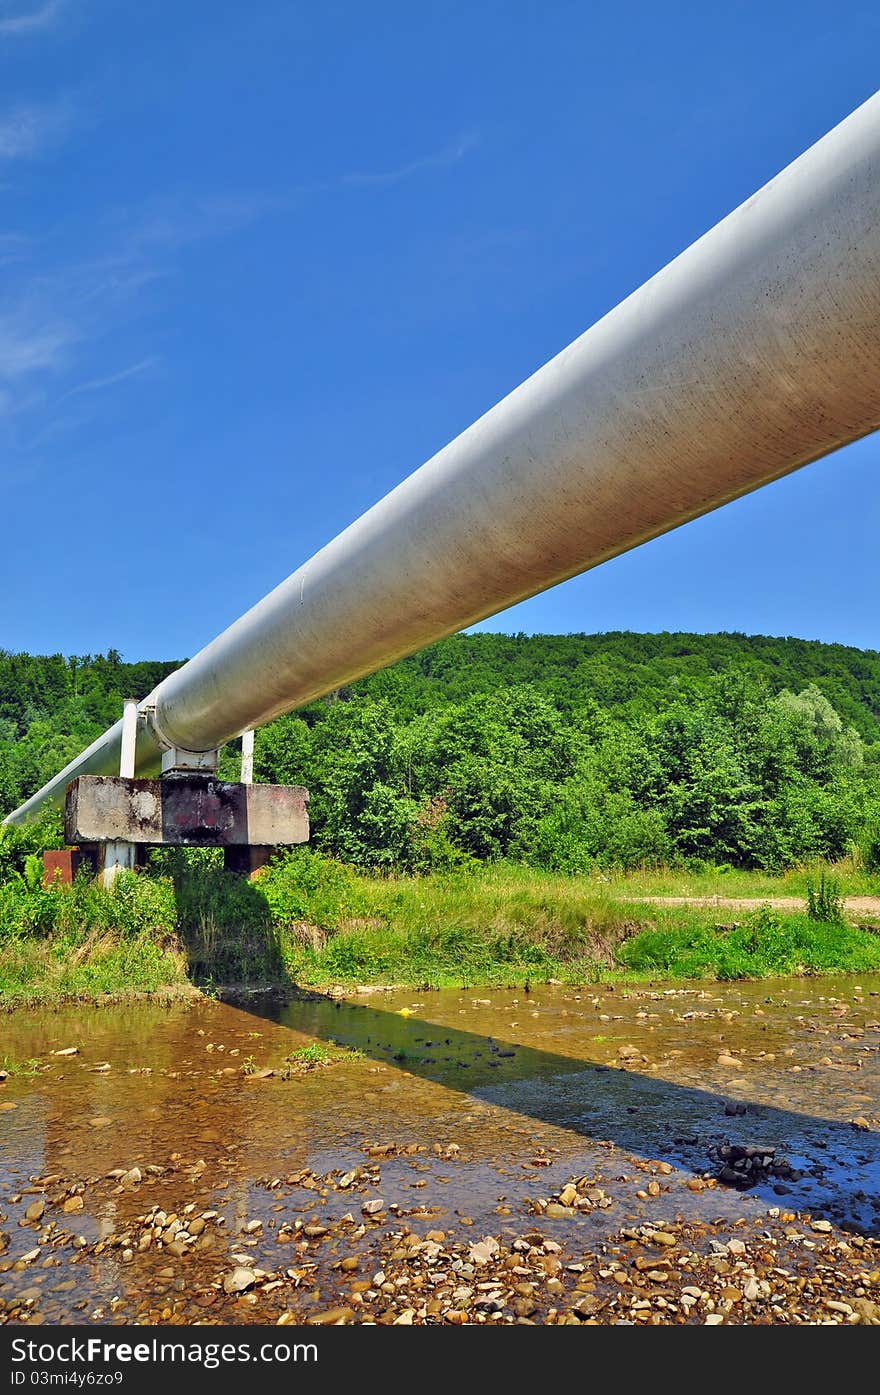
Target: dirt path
x,y
857,907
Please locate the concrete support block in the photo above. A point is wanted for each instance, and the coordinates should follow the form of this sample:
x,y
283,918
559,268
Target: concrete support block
x,y
247,860
184,811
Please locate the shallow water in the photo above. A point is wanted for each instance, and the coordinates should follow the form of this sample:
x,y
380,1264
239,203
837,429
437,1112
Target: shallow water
x,y
484,1102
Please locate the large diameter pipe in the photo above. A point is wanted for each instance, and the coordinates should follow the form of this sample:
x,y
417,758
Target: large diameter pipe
x,y
755,351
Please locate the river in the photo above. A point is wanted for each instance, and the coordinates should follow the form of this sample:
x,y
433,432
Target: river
x,y
479,1155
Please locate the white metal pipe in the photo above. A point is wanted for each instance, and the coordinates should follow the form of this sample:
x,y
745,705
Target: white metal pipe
x,y
754,352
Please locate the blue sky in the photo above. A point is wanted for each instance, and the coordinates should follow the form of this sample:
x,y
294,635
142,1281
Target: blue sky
x,y
259,261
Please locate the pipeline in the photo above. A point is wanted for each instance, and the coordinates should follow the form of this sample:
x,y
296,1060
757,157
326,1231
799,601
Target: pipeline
x,y
751,354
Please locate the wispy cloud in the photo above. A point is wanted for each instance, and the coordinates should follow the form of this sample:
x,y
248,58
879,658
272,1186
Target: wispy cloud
x,y
376,179
175,221
49,340
27,131
29,21
171,222
110,380
31,343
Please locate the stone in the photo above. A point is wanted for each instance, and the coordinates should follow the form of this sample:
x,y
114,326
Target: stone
x,y
239,1280
731,1061
484,1250
568,1195
372,1208
73,1203
821,1227
331,1318
868,1311
131,1178
35,1210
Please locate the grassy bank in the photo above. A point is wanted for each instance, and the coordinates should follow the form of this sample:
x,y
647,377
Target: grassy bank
x,y
314,922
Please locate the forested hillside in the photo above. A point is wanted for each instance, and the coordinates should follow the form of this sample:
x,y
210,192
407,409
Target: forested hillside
x,y
563,751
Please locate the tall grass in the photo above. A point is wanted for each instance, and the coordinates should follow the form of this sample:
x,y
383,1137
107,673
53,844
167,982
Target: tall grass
x,y
310,920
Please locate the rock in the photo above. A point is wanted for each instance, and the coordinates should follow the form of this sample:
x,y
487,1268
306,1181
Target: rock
x,y
484,1250
131,1178
66,1051
332,1317
252,1227
568,1195
239,1280
731,1061
713,1319
346,1180
35,1210
835,1306
372,1208
555,1212
821,1227
100,1122
73,1203
662,1237
868,1311
628,1053
860,1122
751,1290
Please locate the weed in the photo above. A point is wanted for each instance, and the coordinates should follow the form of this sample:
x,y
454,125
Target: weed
x,y
824,901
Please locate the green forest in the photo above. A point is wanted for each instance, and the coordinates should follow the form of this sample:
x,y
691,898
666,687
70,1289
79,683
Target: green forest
x,y
567,753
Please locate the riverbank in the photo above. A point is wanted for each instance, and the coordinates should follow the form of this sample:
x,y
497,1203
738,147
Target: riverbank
x,y
312,922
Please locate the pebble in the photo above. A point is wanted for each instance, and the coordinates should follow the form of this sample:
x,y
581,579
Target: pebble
x,y
239,1280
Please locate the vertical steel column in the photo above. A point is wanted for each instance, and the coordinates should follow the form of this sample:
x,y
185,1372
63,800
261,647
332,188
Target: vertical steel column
x,y
120,857
247,757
